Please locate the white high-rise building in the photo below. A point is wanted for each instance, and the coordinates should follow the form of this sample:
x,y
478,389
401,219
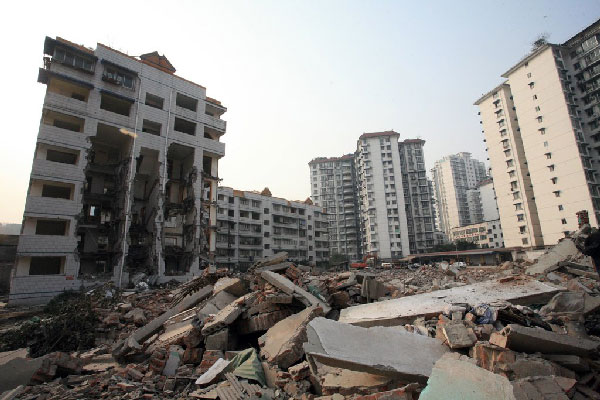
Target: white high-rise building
x,y
542,130
456,178
381,194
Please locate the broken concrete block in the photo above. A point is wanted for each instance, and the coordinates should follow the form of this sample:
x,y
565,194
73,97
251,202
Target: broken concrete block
x,y
284,284
17,370
491,357
379,350
565,303
137,316
277,258
532,340
213,372
227,315
233,286
218,340
282,344
143,333
541,388
406,309
174,360
454,377
570,361
222,299
458,335
548,261
349,382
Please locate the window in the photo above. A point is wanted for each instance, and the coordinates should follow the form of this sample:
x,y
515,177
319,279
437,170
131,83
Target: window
x,y
551,167
73,60
518,206
115,104
185,126
563,221
57,192
529,74
186,102
540,118
51,227
535,96
154,101
520,217
548,155
61,157
151,127
554,180
524,240
117,77
531,85
522,229
560,207
509,163
556,193
545,144
45,265
537,108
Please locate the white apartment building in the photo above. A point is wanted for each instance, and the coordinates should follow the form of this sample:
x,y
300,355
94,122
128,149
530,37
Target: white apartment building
x,y
486,234
381,195
553,93
251,225
124,175
456,179
333,187
418,196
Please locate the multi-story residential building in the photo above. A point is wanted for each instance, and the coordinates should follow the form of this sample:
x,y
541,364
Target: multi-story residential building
x,y
381,192
455,179
509,168
124,175
553,94
251,225
333,187
486,234
418,196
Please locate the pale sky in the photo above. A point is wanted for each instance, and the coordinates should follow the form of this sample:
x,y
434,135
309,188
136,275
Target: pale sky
x,y
300,79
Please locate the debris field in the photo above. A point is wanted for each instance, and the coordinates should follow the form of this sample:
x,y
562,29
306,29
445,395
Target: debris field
x,y
521,330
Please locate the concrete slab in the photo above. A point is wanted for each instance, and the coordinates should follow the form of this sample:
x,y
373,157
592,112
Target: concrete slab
x,y
212,373
377,350
533,340
282,344
454,377
287,286
18,371
406,309
548,261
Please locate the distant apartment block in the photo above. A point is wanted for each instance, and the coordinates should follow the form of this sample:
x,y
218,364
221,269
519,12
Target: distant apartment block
x,y
251,226
333,187
378,200
542,131
456,180
487,234
124,176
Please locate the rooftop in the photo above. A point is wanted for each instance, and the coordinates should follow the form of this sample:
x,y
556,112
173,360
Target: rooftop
x,y
377,134
328,159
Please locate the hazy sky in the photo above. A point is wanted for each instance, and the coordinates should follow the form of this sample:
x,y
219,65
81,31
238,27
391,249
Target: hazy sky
x,y
300,79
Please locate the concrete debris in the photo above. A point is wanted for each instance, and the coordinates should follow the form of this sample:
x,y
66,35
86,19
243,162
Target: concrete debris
x,y
533,340
391,351
407,309
282,344
273,332
455,377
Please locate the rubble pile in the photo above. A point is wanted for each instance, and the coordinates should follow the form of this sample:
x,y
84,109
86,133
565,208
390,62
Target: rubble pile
x,y
521,330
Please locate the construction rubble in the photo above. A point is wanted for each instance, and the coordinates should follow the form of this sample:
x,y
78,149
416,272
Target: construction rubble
x,y
520,330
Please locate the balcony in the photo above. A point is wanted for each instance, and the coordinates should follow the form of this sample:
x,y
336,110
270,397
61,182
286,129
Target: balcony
x,y
59,207
60,135
46,244
214,122
44,168
65,103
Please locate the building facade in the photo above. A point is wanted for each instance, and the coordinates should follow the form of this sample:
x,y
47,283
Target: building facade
x,y
384,224
251,226
487,234
456,179
487,197
333,187
124,175
553,94
418,196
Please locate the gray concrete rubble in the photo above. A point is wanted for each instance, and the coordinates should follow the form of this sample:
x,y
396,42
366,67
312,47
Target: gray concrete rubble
x,y
455,377
533,340
378,350
289,287
282,344
566,250
427,331
407,309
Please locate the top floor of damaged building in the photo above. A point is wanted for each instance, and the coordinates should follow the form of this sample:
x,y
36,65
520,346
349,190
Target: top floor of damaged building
x,y
124,175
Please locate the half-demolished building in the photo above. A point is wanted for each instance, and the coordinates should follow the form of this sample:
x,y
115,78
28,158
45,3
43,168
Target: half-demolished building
x,y
124,175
